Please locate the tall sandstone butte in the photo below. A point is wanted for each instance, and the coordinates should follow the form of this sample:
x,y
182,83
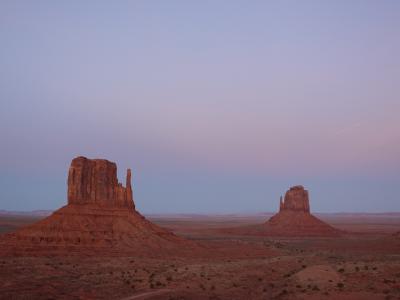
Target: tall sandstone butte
x,y
100,217
94,181
296,199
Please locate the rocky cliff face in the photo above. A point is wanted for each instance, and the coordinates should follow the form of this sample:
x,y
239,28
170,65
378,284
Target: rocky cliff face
x,y
94,181
296,199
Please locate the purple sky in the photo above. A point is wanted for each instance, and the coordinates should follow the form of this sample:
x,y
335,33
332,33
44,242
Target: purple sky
x,y
217,106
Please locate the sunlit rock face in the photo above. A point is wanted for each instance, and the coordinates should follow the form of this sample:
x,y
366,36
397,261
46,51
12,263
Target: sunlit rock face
x,y
94,181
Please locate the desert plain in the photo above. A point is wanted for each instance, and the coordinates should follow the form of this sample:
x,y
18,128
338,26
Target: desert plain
x,y
363,263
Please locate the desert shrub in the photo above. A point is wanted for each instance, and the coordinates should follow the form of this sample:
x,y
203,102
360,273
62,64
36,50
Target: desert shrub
x,y
357,269
340,285
341,270
315,288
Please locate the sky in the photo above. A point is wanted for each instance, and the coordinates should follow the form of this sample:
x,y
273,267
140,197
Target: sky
x,y
217,106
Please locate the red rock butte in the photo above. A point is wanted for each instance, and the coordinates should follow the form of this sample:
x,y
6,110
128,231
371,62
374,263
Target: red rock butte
x,y
100,217
94,181
296,199
294,217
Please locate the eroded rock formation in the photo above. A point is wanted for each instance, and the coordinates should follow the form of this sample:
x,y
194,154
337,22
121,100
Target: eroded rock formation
x,y
94,181
294,217
100,217
296,199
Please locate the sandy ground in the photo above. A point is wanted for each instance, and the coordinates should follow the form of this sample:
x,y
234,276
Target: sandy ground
x,y
364,264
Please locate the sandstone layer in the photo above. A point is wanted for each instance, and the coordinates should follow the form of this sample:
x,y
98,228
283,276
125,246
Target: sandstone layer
x,y
100,217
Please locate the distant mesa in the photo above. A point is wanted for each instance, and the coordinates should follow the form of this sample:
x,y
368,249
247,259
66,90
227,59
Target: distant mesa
x,y
100,216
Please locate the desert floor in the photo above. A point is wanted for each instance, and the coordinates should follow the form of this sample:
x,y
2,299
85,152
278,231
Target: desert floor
x,y
363,264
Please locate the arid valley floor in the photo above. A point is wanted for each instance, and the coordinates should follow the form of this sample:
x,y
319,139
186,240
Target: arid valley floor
x,y
362,264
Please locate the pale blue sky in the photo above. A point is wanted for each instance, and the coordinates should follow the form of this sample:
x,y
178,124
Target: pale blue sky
x,y
217,106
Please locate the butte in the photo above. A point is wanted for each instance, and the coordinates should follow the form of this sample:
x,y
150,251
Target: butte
x,y
294,217
293,220
100,218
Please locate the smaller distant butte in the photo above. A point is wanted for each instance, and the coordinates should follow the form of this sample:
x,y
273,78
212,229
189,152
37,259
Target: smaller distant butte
x,y
293,219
